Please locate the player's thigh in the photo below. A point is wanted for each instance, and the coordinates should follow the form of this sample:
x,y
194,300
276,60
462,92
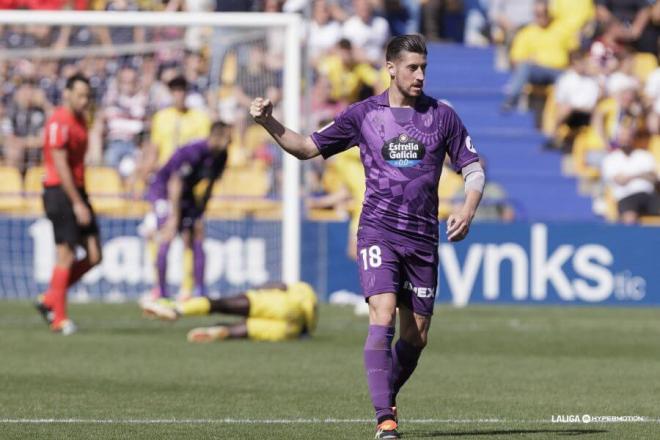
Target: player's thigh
x,y
59,211
413,328
379,267
419,281
272,329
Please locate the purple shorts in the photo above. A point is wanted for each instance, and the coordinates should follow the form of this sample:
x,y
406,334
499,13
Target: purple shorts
x,y
189,214
409,272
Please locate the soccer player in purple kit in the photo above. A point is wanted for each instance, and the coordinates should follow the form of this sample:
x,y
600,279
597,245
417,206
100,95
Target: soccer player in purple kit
x,y
403,136
179,193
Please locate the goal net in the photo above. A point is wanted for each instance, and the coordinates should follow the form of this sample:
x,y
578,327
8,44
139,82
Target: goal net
x,y
253,217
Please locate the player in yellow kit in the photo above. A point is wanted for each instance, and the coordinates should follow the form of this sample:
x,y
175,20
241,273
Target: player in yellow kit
x,y
275,312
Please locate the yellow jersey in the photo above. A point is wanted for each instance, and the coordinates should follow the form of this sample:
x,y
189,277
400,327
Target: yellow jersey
x,y
171,129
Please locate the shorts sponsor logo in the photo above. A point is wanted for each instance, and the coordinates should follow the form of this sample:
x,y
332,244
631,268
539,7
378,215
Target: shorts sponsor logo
x,y
420,292
403,151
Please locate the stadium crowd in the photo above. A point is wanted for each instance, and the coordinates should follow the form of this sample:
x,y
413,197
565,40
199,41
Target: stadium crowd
x,y
592,66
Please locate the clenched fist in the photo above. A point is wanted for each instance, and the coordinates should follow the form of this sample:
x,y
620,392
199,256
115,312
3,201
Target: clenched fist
x,y
261,109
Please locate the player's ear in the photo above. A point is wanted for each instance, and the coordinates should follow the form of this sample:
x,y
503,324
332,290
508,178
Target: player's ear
x,y
390,68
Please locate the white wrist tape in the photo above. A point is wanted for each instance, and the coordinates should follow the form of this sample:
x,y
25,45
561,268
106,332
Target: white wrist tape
x,y
474,177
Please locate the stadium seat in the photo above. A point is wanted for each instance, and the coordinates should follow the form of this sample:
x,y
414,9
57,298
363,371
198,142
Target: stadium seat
x,y
32,189
240,192
11,189
450,184
105,190
654,148
549,113
643,65
586,145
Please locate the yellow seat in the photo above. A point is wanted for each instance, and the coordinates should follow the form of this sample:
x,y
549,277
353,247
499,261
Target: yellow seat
x,y
450,184
586,142
32,189
105,190
242,182
654,149
11,190
643,65
549,113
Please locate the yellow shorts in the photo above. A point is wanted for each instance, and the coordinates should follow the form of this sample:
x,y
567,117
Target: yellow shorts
x,y
272,330
274,304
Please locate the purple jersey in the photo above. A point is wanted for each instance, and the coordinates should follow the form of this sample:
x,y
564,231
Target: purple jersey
x,y
402,151
198,168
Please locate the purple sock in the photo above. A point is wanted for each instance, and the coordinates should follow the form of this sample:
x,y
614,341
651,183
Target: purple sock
x,y
378,365
161,266
404,361
199,260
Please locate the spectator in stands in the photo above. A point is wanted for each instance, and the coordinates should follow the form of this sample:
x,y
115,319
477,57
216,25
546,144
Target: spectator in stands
x,y
115,35
367,32
630,174
620,109
539,54
477,32
195,70
403,16
506,18
23,126
434,13
256,79
323,31
574,15
171,128
628,22
576,95
350,80
652,98
124,117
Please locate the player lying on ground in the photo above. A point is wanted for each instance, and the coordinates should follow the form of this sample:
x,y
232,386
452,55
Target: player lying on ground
x,y
275,312
403,136
66,203
179,193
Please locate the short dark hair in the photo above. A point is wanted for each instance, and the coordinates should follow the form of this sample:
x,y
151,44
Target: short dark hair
x,y
73,79
345,44
178,82
409,43
218,125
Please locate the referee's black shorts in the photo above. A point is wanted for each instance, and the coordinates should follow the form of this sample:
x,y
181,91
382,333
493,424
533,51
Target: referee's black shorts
x,y
59,211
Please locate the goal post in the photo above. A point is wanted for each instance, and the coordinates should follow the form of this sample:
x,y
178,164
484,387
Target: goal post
x,y
290,24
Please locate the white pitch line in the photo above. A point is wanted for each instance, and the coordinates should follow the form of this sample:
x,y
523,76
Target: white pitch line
x,y
231,421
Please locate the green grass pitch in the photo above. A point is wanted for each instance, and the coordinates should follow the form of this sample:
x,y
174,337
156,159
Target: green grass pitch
x,y
488,373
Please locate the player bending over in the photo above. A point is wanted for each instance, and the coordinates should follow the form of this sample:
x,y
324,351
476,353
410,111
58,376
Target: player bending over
x,y
273,313
66,203
179,193
403,136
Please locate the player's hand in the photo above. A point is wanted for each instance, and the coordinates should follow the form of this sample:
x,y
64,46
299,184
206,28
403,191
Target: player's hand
x,y
261,109
82,213
458,226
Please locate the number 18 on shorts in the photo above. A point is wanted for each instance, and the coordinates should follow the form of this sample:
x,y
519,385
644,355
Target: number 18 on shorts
x,y
408,272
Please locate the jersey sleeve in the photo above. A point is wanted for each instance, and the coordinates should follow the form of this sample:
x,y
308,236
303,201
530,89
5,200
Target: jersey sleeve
x,y
56,135
339,135
460,149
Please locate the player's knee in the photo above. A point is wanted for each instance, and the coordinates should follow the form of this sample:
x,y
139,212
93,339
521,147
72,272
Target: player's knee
x,y
381,316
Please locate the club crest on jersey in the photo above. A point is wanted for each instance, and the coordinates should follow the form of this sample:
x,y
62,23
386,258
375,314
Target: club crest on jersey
x,y
403,151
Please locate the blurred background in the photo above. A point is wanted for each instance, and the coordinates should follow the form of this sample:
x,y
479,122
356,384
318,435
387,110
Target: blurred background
x,y
562,100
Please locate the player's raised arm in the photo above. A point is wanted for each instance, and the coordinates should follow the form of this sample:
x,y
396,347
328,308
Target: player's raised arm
x,y
300,146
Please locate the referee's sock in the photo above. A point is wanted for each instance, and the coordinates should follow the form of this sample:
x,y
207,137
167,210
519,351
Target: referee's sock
x,y
56,296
